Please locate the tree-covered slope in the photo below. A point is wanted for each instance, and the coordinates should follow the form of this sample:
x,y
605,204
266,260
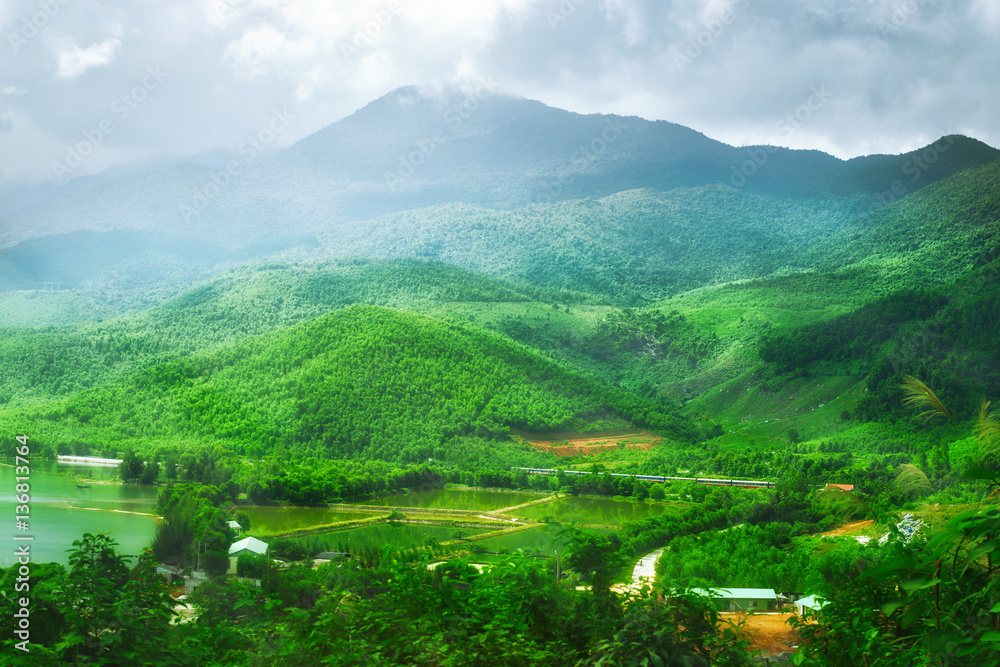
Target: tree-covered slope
x,y
929,237
631,247
46,361
361,381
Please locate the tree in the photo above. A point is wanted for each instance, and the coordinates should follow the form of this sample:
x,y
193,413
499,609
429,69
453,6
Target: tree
x,y
96,578
254,566
673,627
594,557
150,473
131,467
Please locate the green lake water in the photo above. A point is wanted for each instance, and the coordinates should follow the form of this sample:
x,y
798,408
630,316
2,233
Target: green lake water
x,y
603,511
61,513
480,500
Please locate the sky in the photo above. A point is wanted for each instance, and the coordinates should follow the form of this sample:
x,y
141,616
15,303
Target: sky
x,y
89,84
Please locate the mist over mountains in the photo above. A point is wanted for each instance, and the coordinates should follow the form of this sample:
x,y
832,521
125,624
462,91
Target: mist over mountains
x,y
404,175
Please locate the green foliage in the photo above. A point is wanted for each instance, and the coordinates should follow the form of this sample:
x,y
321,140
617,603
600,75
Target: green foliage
x,y
748,556
594,557
150,472
673,627
194,528
99,611
253,566
931,602
360,381
132,467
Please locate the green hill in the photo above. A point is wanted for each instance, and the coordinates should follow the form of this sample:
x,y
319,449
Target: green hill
x,y
361,381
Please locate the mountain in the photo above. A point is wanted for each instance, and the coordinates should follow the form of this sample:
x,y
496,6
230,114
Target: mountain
x,y
417,150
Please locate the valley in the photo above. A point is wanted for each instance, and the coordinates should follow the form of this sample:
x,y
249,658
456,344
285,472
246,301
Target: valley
x,y
336,365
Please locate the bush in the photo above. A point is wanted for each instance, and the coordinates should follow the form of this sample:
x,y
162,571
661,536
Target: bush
x,y
253,566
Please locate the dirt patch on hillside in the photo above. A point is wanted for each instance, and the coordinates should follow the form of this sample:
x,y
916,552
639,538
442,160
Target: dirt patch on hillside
x,y
850,528
554,436
593,445
768,633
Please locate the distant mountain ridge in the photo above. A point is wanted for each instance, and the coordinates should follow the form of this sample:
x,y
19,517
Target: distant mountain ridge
x,y
411,150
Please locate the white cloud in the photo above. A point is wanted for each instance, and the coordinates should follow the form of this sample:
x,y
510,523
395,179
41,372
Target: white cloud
x,y
232,61
257,51
74,61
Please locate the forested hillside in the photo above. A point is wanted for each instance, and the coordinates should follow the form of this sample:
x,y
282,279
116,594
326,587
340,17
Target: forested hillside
x,y
846,307
360,381
641,280
39,362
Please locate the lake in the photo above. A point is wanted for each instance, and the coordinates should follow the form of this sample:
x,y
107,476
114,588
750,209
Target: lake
x,y
480,500
593,510
62,513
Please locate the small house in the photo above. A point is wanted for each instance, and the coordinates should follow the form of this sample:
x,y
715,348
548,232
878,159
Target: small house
x,y
742,599
809,603
170,574
235,526
248,545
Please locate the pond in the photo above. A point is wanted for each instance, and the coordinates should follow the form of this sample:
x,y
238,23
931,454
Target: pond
x,y
480,500
267,520
595,510
373,538
60,513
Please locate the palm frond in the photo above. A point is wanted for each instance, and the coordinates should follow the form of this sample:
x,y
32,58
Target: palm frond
x,y
911,480
842,503
919,395
989,430
989,425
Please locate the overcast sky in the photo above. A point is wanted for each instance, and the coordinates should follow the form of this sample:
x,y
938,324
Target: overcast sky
x,y
145,78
